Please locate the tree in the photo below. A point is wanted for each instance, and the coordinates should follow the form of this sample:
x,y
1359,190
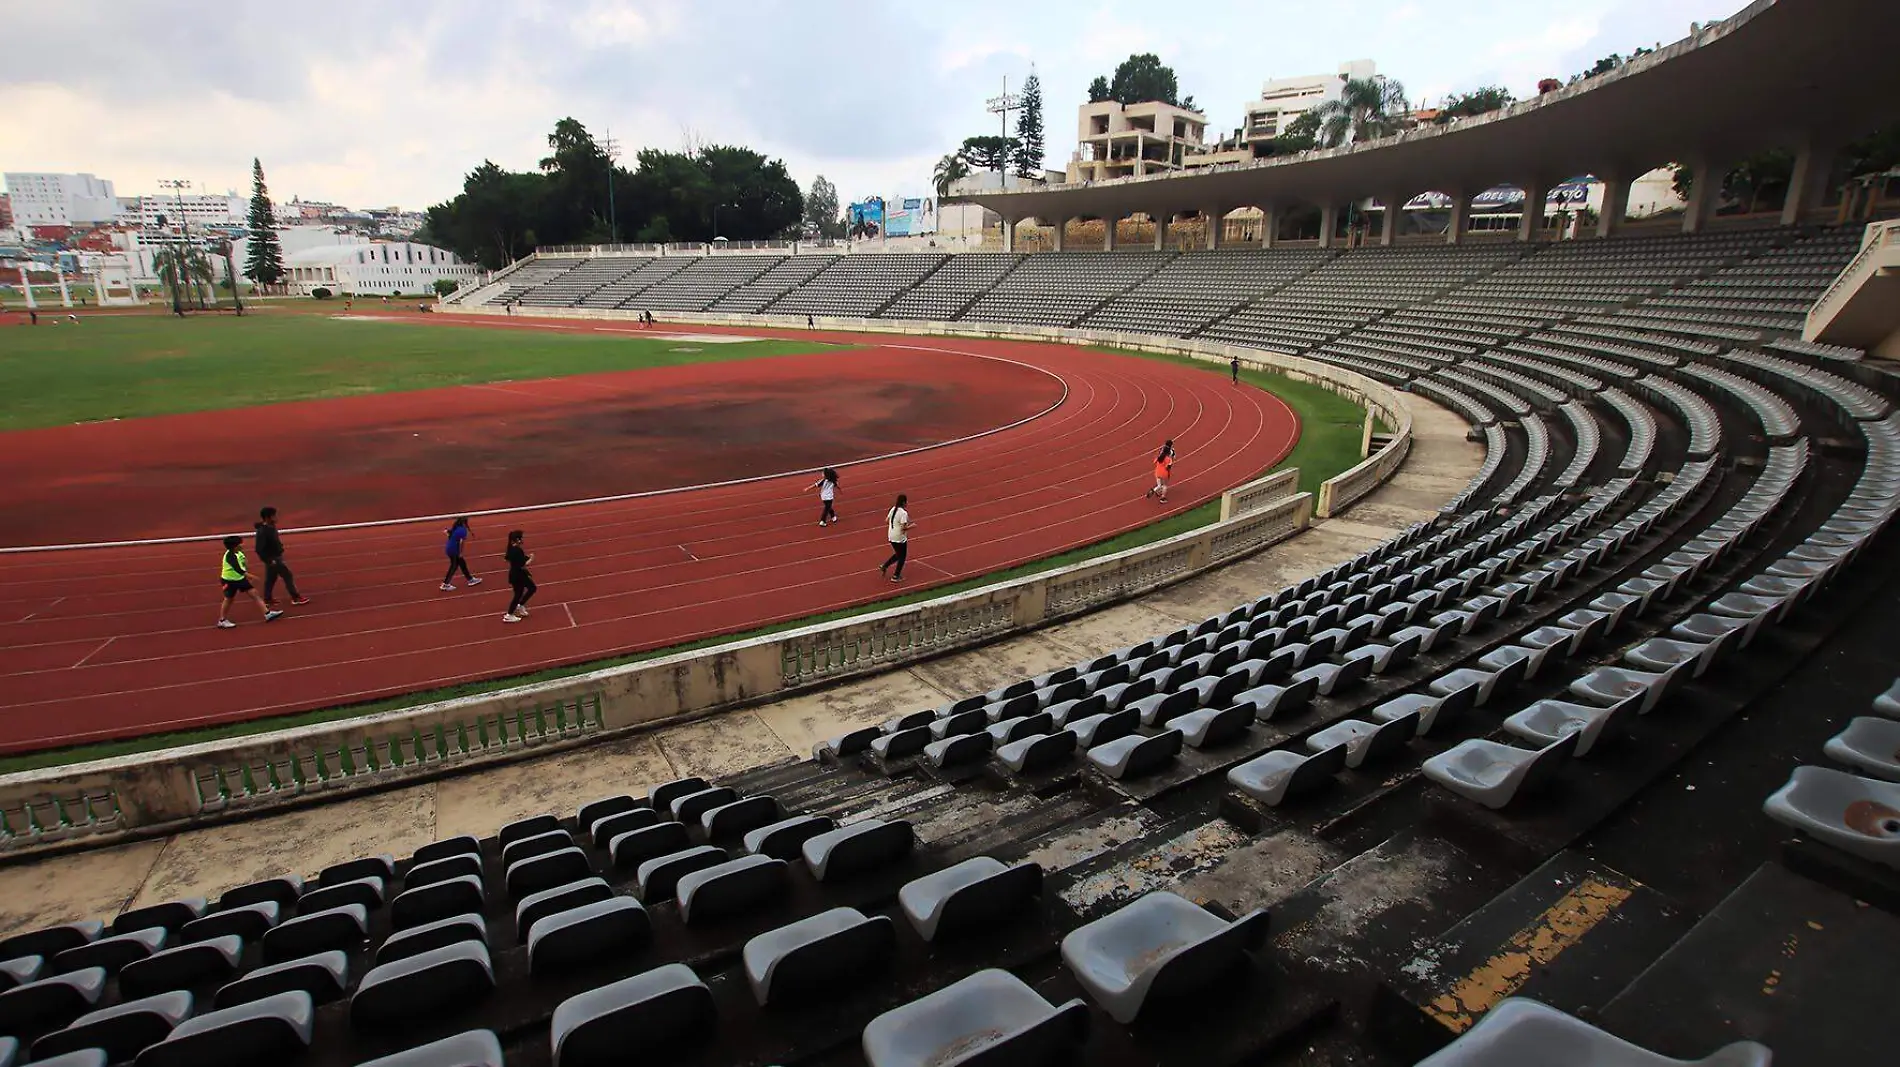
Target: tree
x,y
1098,90
184,269
987,153
1477,102
445,286
951,169
822,215
1367,109
1300,135
1029,147
264,261
1141,78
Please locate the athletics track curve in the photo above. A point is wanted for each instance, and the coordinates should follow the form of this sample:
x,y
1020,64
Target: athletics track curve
x,y
107,643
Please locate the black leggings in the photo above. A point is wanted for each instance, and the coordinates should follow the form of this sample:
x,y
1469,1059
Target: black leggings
x,y
900,550
827,515
275,570
524,592
457,563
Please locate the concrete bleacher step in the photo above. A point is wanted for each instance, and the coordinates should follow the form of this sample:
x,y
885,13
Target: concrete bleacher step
x,y
1571,935
1784,961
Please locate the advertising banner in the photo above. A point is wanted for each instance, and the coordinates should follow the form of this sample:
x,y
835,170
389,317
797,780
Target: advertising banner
x,y
866,218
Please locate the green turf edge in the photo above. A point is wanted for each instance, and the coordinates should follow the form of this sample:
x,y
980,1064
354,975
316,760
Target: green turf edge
x,y
1330,431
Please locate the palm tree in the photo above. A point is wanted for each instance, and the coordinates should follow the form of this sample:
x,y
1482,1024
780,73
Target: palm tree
x,y
182,267
950,170
1367,108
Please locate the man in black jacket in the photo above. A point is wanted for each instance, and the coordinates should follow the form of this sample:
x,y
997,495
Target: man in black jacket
x,y
270,549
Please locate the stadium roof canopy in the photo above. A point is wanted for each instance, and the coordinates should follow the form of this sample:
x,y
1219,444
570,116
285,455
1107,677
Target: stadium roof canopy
x,y
1781,73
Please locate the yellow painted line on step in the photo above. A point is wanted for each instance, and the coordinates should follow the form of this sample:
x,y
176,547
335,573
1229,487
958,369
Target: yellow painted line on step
x,y
1562,925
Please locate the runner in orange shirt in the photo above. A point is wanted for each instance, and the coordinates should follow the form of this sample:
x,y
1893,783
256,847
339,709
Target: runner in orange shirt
x,y
1164,470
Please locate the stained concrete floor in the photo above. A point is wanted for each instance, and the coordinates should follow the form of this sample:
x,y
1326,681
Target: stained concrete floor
x,y
98,884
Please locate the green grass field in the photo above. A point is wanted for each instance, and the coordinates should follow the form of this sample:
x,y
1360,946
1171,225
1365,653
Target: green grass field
x,y
124,366
1331,427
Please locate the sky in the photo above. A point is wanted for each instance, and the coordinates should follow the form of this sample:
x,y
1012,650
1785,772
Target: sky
x,y
374,104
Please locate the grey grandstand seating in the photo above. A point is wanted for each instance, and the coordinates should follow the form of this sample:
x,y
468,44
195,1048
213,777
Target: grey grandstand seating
x,y
950,289
785,274
1058,290
857,285
698,283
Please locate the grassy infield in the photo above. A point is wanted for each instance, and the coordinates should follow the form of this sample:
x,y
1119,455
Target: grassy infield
x,y
113,367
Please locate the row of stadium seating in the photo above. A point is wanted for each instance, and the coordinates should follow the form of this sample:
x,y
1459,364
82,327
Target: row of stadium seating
x,y
1200,848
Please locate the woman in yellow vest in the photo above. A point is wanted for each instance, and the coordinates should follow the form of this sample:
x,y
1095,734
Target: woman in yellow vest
x,y
237,580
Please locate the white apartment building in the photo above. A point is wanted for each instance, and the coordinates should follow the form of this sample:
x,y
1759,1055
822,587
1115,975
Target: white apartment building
x,y
1284,99
196,209
45,199
1115,140
379,268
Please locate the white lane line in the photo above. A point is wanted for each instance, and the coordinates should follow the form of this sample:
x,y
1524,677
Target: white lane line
x,y
96,651
569,608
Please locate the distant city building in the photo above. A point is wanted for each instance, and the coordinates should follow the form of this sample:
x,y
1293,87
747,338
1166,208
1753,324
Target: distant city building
x,y
59,200
6,212
383,267
195,209
1284,99
1116,140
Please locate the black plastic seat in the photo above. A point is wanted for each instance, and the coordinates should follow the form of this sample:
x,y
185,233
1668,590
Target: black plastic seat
x,y
689,808
635,847
472,1048
171,915
284,889
660,875
654,1011
121,1031
182,967
85,1057
595,810
728,888
784,839
608,827
537,906
448,846
250,922
536,873
730,822
577,936
323,975
439,900
423,984
816,957
20,971
461,864
383,867
112,953
273,1029
429,936
52,1001
661,797
368,891
338,928
536,845
522,828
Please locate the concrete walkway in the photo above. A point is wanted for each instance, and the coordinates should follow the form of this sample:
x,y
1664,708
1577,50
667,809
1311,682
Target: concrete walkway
x,y
100,883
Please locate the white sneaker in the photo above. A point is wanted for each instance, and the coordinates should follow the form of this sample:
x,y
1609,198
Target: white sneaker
x,y
511,618
270,616
821,522
226,624
474,581
522,611
448,587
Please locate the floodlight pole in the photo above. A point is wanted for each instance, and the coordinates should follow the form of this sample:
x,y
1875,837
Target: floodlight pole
x,y
611,148
1001,106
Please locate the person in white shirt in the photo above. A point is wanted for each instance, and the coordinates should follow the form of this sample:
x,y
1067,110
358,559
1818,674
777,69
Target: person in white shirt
x,y
897,531
827,486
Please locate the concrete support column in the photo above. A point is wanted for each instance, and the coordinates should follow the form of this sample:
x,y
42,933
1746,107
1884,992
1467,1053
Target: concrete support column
x,y
1216,218
1616,200
1455,229
1705,190
65,295
1062,226
1808,184
1161,227
1009,234
1269,225
1108,234
1394,204
1531,222
1328,222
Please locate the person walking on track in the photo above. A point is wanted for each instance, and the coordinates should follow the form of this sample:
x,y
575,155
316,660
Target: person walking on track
x,y
1164,470
827,486
270,549
897,532
1236,368
458,536
518,558
237,579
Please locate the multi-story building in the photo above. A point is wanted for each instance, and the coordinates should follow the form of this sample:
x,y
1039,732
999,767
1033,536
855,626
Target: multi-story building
x,y
195,209
1284,99
379,268
1116,140
6,212
47,199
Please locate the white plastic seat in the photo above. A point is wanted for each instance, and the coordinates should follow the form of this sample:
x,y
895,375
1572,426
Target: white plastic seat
x,y
1545,721
1520,1033
1493,774
1869,745
1159,947
990,1017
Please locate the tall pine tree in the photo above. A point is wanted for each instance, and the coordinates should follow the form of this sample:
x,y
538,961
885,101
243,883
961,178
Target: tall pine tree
x,y
1028,155
264,263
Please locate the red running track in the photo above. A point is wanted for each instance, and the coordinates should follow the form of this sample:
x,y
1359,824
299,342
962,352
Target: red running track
x,y
108,643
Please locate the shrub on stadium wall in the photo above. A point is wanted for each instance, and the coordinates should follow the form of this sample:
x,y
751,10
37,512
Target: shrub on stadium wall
x,y
320,293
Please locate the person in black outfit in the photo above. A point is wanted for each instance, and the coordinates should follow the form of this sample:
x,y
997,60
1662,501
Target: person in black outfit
x,y
270,549
518,559
1236,365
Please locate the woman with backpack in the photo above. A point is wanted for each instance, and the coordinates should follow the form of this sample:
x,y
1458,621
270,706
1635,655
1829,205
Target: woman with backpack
x,y
827,486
